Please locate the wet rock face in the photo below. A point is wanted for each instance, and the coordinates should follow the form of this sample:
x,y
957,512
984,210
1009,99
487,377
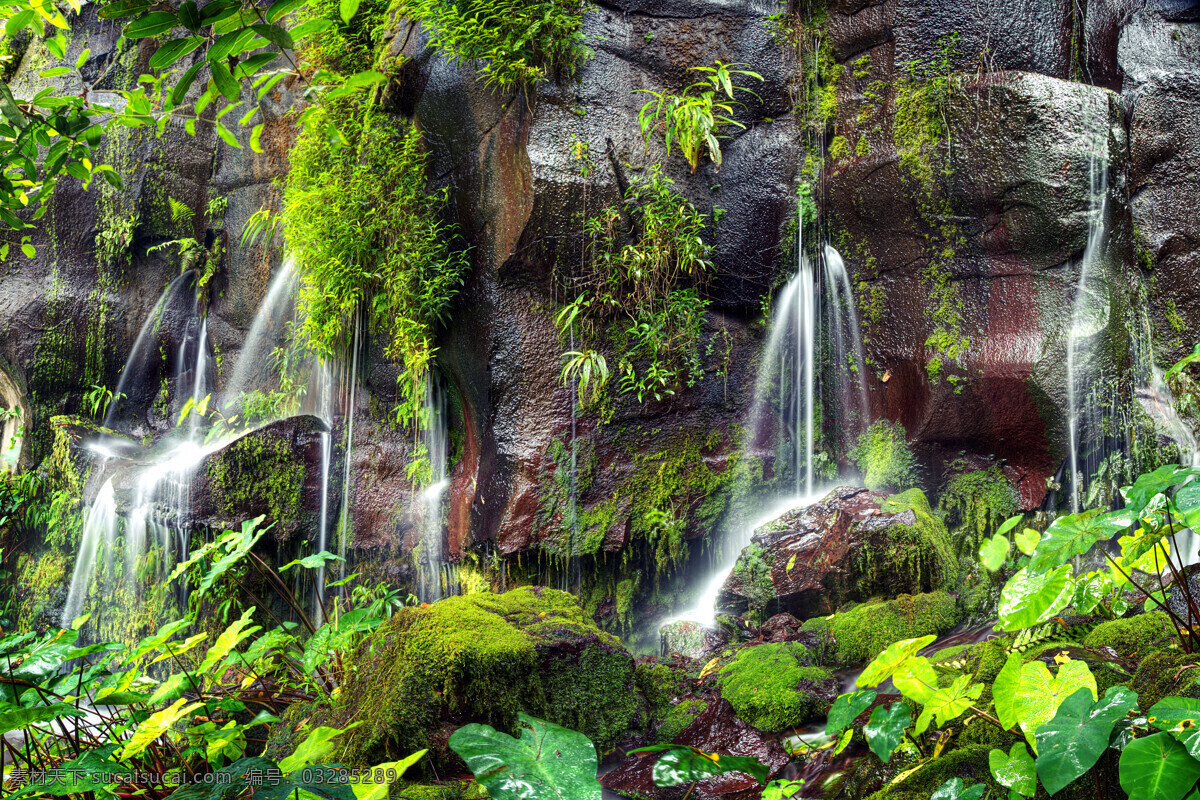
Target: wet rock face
x,y
851,546
717,730
692,640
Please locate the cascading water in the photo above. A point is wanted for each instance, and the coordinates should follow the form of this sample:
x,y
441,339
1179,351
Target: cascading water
x,y
434,439
99,532
267,331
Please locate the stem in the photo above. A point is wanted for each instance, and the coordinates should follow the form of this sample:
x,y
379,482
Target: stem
x,y
1180,626
689,791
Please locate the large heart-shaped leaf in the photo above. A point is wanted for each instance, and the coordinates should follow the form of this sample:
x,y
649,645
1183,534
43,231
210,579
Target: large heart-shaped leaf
x,y
1151,484
891,659
846,709
1068,536
1180,717
993,552
953,789
885,729
946,704
1072,741
1004,690
1031,598
1157,767
1039,693
548,761
1014,769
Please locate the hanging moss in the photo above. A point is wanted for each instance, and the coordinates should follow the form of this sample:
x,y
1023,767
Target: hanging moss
x,y
974,504
258,473
884,458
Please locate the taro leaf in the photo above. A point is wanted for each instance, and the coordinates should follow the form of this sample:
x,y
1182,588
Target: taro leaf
x,y
890,659
1030,599
916,679
1157,767
326,781
846,709
953,789
1069,536
1179,716
1039,693
994,552
680,764
948,703
217,789
1151,484
1004,690
548,761
368,787
156,725
316,559
15,718
1090,591
782,789
1009,524
885,729
313,748
1015,769
1027,541
1072,742
76,776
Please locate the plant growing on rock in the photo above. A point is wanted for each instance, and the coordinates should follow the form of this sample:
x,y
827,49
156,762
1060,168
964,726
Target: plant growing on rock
x,y
883,457
512,43
646,281
690,119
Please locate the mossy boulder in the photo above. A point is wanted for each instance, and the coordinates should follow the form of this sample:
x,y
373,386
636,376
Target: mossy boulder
x,y
865,631
968,763
482,658
1166,673
773,687
1132,636
850,547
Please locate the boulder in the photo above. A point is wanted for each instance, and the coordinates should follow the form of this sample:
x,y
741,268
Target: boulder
x,y
853,545
692,639
482,658
865,631
717,730
776,687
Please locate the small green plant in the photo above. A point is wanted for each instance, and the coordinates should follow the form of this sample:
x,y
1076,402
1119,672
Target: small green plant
x,y
588,370
691,118
97,400
514,44
181,213
884,458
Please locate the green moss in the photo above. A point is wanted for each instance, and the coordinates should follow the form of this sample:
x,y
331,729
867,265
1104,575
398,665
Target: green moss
x,y
1132,636
863,148
447,790
884,458
968,763
482,658
864,632
755,575
1174,320
1165,673
974,504
259,473
839,148
770,687
677,718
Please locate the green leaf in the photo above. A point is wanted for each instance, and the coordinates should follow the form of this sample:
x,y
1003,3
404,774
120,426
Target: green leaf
x,y
916,679
152,24
678,765
1150,485
174,50
1157,767
365,788
325,781
156,726
993,552
1004,690
890,659
181,89
367,78
885,729
11,111
54,72
1027,541
1039,693
234,635
275,35
1009,524
313,561
1030,598
846,709
948,703
1015,769
1068,536
189,15
953,789
226,85
314,747
17,717
548,762
348,9
1072,742
782,789
124,8
281,8
1180,717
29,250
18,22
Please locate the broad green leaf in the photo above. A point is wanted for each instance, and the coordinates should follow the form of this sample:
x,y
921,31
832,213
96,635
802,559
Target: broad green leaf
x,y
225,83
782,789
281,8
885,729
16,717
174,50
1157,767
313,748
1030,598
548,762
1180,717
234,635
324,781
1090,591
152,24
680,764
1027,541
953,789
1014,769
156,726
367,787
223,787
1039,693
890,659
1151,484
846,709
1009,524
1069,536
993,552
313,561
275,35
348,9
947,704
916,679
1004,690
1147,552
1074,739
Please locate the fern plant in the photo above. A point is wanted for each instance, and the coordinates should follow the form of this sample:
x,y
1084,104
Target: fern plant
x,y
690,119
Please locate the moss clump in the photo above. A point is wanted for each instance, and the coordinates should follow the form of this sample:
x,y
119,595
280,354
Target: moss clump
x,y
864,632
1165,673
968,763
678,718
258,474
770,687
884,458
974,504
754,573
482,658
839,148
923,547
1132,636
449,790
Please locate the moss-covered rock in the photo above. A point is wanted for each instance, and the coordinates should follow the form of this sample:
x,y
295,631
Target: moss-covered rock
x,y
852,546
1132,636
679,716
968,763
1166,673
449,790
865,631
483,658
771,687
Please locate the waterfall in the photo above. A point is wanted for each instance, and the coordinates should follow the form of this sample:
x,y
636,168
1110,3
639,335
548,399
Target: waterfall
x,y
100,531
434,440
325,412
266,331
1089,318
